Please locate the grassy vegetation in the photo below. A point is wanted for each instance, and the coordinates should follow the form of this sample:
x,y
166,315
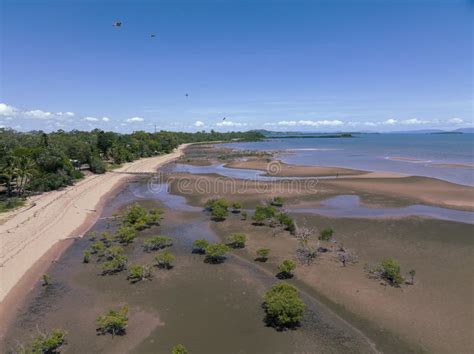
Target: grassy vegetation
x,y
8,204
164,260
215,253
179,349
262,254
156,243
286,268
236,240
199,246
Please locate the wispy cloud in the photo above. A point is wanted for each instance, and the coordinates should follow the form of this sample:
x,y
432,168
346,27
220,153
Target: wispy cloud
x,y
134,120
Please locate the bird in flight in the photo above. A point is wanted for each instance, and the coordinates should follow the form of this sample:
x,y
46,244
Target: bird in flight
x,y
187,95
152,35
117,24
224,118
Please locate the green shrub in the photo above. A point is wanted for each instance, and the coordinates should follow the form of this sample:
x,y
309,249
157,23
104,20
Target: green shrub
x,y
113,322
243,215
11,203
199,246
179,349
46,343
157,243
219,213
137,272
114,252
164,260
236,206
390,271
96,165
86,256
46,279
289,224
91,235
262,254
236,240
326,234
286,268
216,202
114,265
215,252
125,234
106,238
263,213
277,201
283,306
98,248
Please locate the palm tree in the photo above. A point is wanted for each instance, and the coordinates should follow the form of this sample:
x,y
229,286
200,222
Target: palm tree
x,y
25,167
9,172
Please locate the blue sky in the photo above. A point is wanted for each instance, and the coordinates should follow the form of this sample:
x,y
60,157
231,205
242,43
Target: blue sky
x,y
281,65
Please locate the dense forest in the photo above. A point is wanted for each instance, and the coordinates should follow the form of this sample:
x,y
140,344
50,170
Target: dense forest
x,y
37,162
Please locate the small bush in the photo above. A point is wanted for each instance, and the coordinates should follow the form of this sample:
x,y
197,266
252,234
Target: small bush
x,y
91,235
218,208
243,215
98,248
164,260
283,306
113,252
289,224
277,201
157,243
236,240
96,165
262,254
326,234
215,253
46,343
286,268
199,246
236,207
219,214
179,349
390,271
263,213
137,272
115,265
86,256
46,279
106,238
125,234
113,322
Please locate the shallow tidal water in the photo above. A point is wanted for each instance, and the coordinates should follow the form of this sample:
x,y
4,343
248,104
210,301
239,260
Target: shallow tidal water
x,y
208,308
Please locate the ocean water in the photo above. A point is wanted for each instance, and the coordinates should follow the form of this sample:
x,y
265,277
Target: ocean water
x,y
410,154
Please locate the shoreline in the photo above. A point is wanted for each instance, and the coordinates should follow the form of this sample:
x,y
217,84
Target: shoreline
x,y
64,214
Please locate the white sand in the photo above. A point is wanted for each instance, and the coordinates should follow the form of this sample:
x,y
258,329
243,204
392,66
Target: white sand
x,y
30,232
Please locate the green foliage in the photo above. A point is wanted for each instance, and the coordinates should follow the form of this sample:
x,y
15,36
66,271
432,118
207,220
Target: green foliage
x,y
164,260
277,201
286,268
326,234
46,279
114,265
179,349
243,215
86,256
236,240
98,248
218,213
125,234
262,254
46,343
11,203
137,272
113,252
157,243
199,246
215,252
236,206
106,238
97,165
289,224
263,213
113,322
218,208
390,271
283,306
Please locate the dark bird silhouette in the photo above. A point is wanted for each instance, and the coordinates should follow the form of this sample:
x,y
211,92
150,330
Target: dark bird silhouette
x,y
117,24
152,35
224,118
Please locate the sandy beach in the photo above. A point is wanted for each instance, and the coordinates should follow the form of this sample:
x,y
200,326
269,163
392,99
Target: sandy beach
x,y
28,233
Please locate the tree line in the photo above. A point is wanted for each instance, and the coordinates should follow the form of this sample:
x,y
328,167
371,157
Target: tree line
x,y
38,161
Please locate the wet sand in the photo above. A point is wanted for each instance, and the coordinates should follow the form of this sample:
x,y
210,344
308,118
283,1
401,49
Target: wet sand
x,y
205,307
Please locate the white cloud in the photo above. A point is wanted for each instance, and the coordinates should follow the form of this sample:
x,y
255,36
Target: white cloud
x,y
134,120
91,119
198,123
105,119
414,121
38,114
6,110
456,120
65,114
229,123
311,123
390,121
